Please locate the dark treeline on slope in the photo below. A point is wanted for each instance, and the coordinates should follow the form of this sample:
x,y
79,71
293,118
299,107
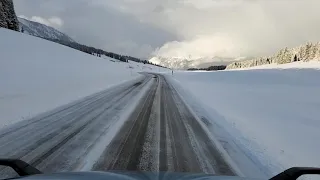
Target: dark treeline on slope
x,y
211,68
99,52
8,18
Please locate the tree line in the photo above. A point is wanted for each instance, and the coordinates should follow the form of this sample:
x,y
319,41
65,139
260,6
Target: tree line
x,y
211,68
99,52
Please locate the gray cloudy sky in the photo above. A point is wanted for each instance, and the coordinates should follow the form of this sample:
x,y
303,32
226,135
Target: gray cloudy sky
x,y
181,28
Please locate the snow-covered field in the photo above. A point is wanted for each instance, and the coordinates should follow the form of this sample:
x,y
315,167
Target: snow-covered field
x,y
267,119
37,75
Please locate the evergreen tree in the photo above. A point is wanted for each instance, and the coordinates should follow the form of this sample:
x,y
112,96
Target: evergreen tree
x,y
295,58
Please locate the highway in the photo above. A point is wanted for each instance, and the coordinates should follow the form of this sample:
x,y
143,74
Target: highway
x,y
141,125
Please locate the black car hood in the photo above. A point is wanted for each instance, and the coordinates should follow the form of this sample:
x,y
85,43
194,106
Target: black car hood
x,y
120,175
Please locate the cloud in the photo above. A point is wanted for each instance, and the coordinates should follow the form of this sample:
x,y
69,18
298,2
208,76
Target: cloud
x,y
55,22
230,28
98,24
219,44
180,28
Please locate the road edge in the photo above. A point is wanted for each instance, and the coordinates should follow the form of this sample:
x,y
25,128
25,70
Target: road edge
x,y
218,145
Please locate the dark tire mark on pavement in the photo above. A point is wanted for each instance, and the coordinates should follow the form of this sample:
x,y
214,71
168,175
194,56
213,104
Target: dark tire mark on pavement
x,y
163,164
125,149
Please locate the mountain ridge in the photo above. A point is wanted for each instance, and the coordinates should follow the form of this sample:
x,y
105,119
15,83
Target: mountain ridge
x,y
51,34
43,31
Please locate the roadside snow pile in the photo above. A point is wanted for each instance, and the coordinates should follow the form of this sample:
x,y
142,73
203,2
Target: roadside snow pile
x,y
38,75
270,117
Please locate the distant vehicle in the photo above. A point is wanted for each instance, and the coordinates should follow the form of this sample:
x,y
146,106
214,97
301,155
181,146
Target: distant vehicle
x,y
27,172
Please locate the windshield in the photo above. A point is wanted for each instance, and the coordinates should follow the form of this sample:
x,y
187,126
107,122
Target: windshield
x,y
220,87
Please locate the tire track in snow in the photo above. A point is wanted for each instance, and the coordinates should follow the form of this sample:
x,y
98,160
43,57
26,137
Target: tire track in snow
x,y
56,136
25,139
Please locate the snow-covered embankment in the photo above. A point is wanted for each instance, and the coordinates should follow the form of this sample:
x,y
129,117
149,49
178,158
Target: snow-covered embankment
x,y
267,119
38,75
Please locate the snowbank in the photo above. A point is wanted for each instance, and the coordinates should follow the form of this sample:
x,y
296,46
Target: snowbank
x,y
270,117
37,75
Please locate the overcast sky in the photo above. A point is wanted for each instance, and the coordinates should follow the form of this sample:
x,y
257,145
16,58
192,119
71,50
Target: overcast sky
x,y
181,28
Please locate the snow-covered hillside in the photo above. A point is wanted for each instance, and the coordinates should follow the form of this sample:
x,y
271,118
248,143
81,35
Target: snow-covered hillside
x,y
266,119
43,31
38,75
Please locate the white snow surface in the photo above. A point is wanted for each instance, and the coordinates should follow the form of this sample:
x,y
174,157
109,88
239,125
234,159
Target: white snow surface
x,y
267,119
38,75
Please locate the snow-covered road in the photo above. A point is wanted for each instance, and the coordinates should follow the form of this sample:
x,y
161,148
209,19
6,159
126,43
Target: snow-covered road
x,y
139,125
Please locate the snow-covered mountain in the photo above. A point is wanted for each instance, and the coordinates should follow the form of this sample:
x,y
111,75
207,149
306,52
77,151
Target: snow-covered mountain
x,y
43,31
185,63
